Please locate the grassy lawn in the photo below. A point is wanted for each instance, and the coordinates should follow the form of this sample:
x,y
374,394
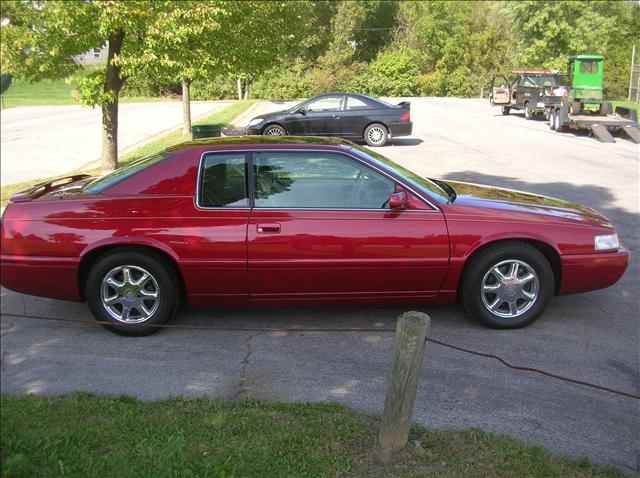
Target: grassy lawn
x,y
53,92
221,118
626,104
85,435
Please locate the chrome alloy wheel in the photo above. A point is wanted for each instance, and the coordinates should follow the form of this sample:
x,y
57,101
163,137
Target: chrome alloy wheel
x,y
376,135
272,131
509,288
130,294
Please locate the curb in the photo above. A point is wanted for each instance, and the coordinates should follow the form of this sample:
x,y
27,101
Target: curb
x,y
237,125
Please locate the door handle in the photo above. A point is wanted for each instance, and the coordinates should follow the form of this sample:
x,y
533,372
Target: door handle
x,y
269,228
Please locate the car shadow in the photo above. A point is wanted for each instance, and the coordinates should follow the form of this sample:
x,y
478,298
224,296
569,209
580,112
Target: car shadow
x,y
405,142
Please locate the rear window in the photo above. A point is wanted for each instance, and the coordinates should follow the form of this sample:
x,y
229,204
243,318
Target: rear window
x,y
546,80
589,67
111,179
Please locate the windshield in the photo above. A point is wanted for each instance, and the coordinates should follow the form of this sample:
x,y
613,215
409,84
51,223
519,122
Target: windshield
x,y
434,190
543,80
111,179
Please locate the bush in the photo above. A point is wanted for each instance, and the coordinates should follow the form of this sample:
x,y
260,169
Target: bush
x,y
285,82
135,86
217,88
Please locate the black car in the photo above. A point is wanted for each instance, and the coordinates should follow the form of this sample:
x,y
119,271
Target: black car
x,y
347,115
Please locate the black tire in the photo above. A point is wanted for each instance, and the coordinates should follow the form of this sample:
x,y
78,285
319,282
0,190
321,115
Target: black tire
x,y
479,271
162,280
274,130
376,134
528,114
552,120
505,110
557,125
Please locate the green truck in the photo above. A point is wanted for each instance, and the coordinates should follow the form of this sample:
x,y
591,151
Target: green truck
x,y
576,101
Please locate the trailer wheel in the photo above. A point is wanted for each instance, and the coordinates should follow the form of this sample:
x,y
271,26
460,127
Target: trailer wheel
x,y
552,119
505,110
528,114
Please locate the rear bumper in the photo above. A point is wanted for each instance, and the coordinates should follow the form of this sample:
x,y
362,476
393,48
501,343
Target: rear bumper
x,y
584,272
401,129
52,277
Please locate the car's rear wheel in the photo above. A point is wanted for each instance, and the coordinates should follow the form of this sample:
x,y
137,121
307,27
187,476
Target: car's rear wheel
x,y
376,134
274,130
505,110
528,113
552,119
132,291
507,286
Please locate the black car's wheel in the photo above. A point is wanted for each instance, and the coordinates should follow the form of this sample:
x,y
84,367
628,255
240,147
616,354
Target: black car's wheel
x,y
505,110
528,113
376,134
507,286
274,130
133,291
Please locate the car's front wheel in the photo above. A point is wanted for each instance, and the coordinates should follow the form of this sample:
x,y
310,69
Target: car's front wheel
x,y
376,134
133,291
274,130
508,285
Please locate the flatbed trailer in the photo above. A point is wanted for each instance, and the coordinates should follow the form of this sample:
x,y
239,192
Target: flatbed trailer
x,y
601,123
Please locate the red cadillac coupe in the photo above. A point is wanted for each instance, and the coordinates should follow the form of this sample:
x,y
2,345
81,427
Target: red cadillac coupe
x,y
284,220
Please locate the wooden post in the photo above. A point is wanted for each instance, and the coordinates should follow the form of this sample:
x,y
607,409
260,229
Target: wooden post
x,y
411,332
482,92
239,85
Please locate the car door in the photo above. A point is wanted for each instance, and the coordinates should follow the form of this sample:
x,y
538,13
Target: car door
x,y
499,90
323,116
320,228
213,246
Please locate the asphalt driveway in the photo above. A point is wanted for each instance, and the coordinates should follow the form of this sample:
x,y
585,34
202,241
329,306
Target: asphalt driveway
x,y
593,336
42,141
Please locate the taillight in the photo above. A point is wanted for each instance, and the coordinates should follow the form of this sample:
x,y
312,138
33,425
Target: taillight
x,y
406,116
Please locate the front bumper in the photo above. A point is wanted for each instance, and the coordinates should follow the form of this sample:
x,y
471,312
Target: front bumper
x,y
585,272
254,130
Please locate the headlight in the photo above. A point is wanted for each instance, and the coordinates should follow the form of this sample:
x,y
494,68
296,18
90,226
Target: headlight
x,y
255,121
603,243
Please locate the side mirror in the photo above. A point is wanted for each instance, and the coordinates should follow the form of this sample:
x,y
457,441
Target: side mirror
x,y
301,111
398,200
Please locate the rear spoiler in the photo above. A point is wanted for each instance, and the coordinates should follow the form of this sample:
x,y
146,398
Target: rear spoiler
x,y
405,104
46,186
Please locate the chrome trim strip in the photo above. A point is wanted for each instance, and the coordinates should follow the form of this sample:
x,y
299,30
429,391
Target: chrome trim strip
x,y
289,150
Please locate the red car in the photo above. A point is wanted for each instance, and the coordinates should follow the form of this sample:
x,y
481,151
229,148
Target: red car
x,y
259,220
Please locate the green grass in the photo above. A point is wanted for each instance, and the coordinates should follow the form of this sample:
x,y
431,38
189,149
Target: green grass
x,y
221,118
626,104
53,92
85,435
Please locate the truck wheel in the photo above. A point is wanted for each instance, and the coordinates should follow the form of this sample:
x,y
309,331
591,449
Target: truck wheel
x,y
557,126
552,119
528,114
505,110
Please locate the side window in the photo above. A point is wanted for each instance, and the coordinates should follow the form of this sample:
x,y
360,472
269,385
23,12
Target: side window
x,y
328,103
356,104
223,180
317,180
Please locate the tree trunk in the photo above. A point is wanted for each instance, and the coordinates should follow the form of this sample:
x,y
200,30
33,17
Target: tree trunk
x,y
246,89
186,106
113,84
239,84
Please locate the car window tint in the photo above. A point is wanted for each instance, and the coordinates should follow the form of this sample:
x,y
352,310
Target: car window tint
x,y
356,104
317,180
328,103
223,180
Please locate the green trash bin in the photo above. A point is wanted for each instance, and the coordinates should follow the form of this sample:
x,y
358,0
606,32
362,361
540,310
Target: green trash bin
x,y
206,131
